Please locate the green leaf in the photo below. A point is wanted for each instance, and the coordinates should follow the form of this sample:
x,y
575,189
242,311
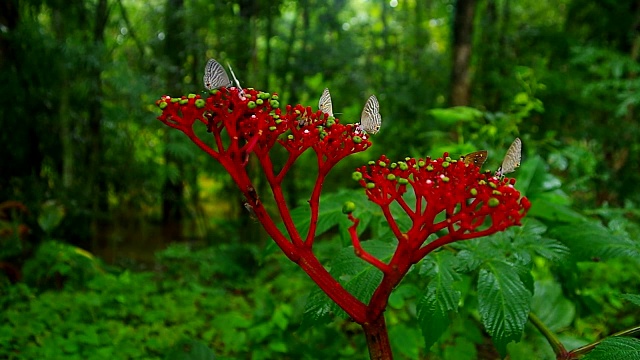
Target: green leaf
x,y
529,237
440,298
549,304
317,310
504,304
633,298
590,240
616,348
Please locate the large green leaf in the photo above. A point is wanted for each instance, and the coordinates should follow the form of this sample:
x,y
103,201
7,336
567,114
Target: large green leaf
x,y
591,239
504,303
616,348
440,298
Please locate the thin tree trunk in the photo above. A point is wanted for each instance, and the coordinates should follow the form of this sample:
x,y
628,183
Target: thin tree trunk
x,y
173,203
462,44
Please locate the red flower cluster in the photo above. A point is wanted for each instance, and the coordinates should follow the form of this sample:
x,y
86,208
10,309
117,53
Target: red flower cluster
x,y
254,122
449,195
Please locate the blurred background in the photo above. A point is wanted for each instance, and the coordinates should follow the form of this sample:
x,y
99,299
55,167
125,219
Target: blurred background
x,y
85,162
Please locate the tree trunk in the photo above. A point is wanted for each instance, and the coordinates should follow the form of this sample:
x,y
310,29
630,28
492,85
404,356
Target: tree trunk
x,y
462,43
173,203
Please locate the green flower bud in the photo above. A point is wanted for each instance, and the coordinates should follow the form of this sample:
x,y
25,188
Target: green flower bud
x,y
357,139
421,163
382,163
429,167
200,103
371,185
371,163
279,121
474,192
446,164
163,105
391,177
274,104
259,101
348,207
493,185
251,105
290,137
393,165
403,181
403,165
272,128
191,96
445,179
356,175
493,202
274,97
184,101
496,192
175,100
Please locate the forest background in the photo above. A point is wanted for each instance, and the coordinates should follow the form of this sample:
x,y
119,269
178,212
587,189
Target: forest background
x,y
104,208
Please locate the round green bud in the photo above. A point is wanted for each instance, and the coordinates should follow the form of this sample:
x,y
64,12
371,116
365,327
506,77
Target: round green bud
x,y
391,177
290,137
163,105
448,158
357,139
393,165
496,192
482,182
421,163
446,164
403,165
348,207
279,121
429,167
407,158
371,185
474,192
356,175
274,104
493,202
493,185
259,101
251,104
175,100
191,96
272,128
382,163
274,97
184,101
403,181
200,103
371,163
214,91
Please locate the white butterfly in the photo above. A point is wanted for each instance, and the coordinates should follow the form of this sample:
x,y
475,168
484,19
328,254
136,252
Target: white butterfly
x,y
214,76
324,104
370,119
512,159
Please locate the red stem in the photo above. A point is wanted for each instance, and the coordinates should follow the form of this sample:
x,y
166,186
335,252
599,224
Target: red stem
x,y
360,252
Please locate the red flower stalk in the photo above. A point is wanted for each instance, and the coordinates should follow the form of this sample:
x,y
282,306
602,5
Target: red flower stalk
x,y
251,121
452,199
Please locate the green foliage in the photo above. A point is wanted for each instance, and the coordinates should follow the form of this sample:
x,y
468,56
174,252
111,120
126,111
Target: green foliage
x,y
616,348
162,315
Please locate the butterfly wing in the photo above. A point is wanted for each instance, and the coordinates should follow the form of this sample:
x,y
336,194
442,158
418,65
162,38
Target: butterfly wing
x,y
477,158
234,77
370,119
214,76
512,159
325,103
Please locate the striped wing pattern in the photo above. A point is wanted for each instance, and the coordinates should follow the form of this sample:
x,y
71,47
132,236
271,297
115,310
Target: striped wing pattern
x,y
370,119
214,76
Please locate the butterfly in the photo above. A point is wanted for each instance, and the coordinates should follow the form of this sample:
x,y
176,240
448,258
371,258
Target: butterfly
x,y
370,119
324,104
214,76
512,159
476,158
